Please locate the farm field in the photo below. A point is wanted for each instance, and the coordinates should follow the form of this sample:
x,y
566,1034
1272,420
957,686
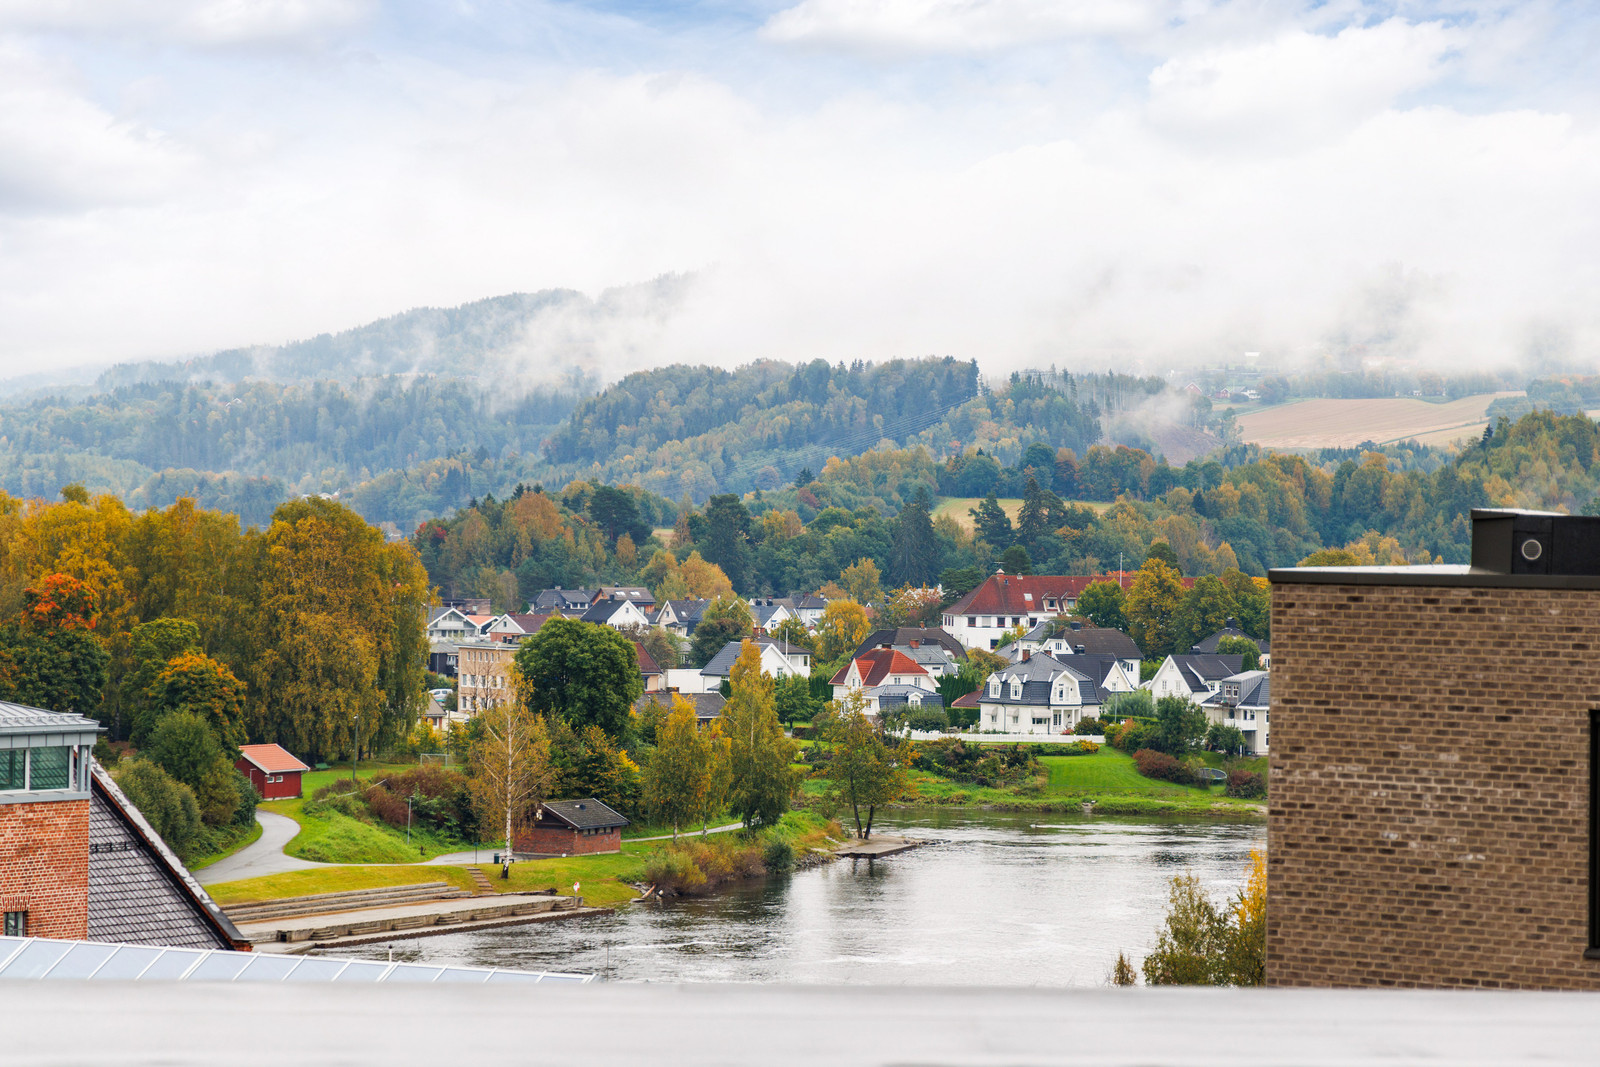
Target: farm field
x,y
1329,423
960,507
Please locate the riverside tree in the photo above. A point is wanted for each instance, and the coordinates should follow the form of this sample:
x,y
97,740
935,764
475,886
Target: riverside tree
x,y
509,766
759,755
584,674
1202,944
679,774
864,772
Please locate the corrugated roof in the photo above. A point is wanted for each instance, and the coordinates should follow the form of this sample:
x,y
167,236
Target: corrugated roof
x,y
271,759
24,719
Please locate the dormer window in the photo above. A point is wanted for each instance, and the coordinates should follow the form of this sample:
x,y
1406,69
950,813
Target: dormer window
x,y
994,687
1016,689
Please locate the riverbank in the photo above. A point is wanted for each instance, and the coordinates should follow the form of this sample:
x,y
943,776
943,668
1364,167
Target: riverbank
x,y
1100,783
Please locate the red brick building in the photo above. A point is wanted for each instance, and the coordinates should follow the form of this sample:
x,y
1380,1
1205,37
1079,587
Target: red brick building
x,y
77,859
272,770
1436,767
572,828
44,822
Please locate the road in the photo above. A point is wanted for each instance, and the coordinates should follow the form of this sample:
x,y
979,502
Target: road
x,y
265,855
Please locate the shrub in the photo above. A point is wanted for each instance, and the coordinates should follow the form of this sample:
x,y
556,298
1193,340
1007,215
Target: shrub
x,y
167,804
1078,748
1159,765
245,813
1087,727
673,870
779,856
928,719
1246,785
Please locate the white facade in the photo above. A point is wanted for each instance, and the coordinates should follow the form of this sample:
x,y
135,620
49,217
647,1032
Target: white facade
x,y
1016,701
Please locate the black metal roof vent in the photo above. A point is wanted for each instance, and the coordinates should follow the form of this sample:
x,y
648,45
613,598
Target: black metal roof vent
x,y
1508,541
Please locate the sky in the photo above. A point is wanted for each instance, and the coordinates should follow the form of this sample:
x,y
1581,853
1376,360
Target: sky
x,y
1131,184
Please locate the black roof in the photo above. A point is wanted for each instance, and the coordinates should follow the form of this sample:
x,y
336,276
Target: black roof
x,y
588,814
904,635
139,892
721,665
706,705
1209,645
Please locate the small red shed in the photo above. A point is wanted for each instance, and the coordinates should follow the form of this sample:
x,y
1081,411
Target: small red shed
x,y
270,768
572,828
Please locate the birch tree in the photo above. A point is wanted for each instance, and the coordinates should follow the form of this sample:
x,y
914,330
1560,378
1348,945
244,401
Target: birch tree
x,y
509,766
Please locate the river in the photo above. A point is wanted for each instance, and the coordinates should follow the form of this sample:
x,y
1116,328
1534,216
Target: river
x,y
1002,899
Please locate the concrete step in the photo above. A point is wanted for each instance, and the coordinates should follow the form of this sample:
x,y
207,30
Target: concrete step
x,y
348,900
376,920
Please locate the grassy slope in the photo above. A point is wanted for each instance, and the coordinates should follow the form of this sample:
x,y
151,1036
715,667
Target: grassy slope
x,y
604,878
249,837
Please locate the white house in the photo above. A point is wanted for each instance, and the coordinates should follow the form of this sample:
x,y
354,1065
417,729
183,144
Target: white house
x,y
1243,700
1193,675
618,614
450,624
769,613
1006,601
881,667
778,659
1063,637
1037,695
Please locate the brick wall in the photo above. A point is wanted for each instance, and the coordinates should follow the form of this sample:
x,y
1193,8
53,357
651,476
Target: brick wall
x,y
551,840
44,866
1429,818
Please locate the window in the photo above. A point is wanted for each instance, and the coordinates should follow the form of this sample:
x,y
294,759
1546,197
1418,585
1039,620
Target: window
x,y
16,924
14,768
972,620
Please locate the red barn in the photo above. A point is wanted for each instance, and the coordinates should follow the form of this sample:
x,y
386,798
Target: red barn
x,y
572,828
270,768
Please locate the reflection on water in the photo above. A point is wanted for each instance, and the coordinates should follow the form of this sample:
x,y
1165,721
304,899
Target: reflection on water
x,y
1003,899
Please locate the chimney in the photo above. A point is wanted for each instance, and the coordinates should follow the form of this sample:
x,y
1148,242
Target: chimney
x,y
915,642
1231,624
1076,625
1027,654
1507,541
1079,649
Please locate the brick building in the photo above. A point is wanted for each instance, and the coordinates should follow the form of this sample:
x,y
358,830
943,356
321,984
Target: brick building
x,y
77,859
44,821
1434,766
572,828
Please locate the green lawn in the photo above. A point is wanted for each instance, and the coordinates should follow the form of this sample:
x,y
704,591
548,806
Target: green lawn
x,y
604,878
333,837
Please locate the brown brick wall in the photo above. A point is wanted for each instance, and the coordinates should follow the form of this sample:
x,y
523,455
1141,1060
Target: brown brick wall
x,y
1429,818
44,866
552,841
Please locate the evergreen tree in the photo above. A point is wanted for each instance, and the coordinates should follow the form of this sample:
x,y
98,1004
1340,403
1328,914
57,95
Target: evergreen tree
x,y
992,524
914,552
726,541
1033,521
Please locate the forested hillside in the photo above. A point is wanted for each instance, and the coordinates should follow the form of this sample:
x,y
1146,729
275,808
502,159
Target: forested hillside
x,y
1245,509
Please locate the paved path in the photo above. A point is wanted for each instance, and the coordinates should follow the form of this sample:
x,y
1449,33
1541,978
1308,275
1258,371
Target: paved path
x,y
689,833
263,856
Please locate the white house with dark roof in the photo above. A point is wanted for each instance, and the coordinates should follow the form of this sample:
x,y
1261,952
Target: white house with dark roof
x,y
768,613
1193,675
1243,700
618,614
561,601
1070,637
1037,695
778,659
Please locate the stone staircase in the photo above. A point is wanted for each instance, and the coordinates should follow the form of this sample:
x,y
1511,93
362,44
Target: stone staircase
x,y
261,911
480,881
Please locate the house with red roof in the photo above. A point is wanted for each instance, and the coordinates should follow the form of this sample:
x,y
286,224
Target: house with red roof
x,y
272,770
1006,601
886,676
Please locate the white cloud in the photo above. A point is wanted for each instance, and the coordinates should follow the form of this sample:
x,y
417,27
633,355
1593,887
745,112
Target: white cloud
x,y
1270,189
959,25
198,22
1301,84
59,150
